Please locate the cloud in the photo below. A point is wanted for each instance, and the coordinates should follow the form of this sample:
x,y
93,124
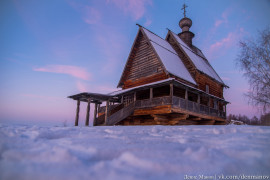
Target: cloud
x,y
136,8
218,48
225,42
221,20
147,23
74,71
224,18
218,23
81,86
91,15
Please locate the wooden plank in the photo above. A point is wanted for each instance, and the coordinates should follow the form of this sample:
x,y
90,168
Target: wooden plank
x,y
155,110
195,118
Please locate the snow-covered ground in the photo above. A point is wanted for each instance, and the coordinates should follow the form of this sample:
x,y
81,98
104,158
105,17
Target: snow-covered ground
x,y
133,152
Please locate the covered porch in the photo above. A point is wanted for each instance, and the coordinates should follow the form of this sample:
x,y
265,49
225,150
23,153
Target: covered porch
x,y
167,99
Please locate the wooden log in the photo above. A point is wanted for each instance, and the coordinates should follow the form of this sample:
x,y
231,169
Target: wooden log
x,y
77,113
134,96
106,112
165,109
171,90
95,115
195,118
186,93
180,117
87,113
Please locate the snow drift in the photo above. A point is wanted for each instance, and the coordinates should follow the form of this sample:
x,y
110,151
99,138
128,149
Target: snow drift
x,y
132,152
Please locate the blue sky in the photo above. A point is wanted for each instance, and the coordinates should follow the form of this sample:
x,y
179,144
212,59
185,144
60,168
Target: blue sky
x,y
52,49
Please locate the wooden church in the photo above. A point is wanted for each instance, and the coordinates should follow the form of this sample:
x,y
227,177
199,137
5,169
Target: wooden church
x,y
165,82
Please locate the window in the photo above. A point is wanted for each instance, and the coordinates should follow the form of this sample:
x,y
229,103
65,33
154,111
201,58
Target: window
x,y
207,88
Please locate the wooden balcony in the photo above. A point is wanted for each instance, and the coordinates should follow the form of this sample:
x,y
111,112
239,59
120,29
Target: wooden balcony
x,y
181,104
166,102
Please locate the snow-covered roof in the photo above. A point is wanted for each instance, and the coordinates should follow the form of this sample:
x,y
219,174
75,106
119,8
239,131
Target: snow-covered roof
x,y
103,97
169,57
115,93
120,92
198,59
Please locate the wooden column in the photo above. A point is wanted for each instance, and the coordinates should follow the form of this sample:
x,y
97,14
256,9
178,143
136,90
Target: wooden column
x,y
87,113
208,104
77,113
134,96
215,104
151,93
199,99
171,93
122,99
106,112
186,94
171,89
186,97
95,115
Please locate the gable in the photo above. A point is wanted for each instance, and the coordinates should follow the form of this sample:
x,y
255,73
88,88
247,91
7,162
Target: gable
x,y
169,57
143,66
151,59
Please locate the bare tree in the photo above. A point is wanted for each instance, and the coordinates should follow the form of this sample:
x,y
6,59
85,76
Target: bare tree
x,y
254,60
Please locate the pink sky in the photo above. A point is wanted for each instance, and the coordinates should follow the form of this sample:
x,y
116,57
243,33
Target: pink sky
x,y
51,50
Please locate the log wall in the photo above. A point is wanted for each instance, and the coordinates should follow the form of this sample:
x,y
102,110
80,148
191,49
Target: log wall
x,y
143,65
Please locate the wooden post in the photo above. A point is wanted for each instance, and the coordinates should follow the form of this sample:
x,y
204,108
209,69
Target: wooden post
x,y
87,113
95,115
77,113
186,98
106,112
208,104
171,89
151,93
122,99
171,93
225,111
134,97
199,99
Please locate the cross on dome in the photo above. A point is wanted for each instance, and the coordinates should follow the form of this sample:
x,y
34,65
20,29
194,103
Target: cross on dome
x,y
184,8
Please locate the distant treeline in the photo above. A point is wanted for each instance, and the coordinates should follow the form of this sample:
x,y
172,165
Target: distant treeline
x,y
263,120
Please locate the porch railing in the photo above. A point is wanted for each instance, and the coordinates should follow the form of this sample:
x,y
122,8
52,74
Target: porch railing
x,y
181,103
